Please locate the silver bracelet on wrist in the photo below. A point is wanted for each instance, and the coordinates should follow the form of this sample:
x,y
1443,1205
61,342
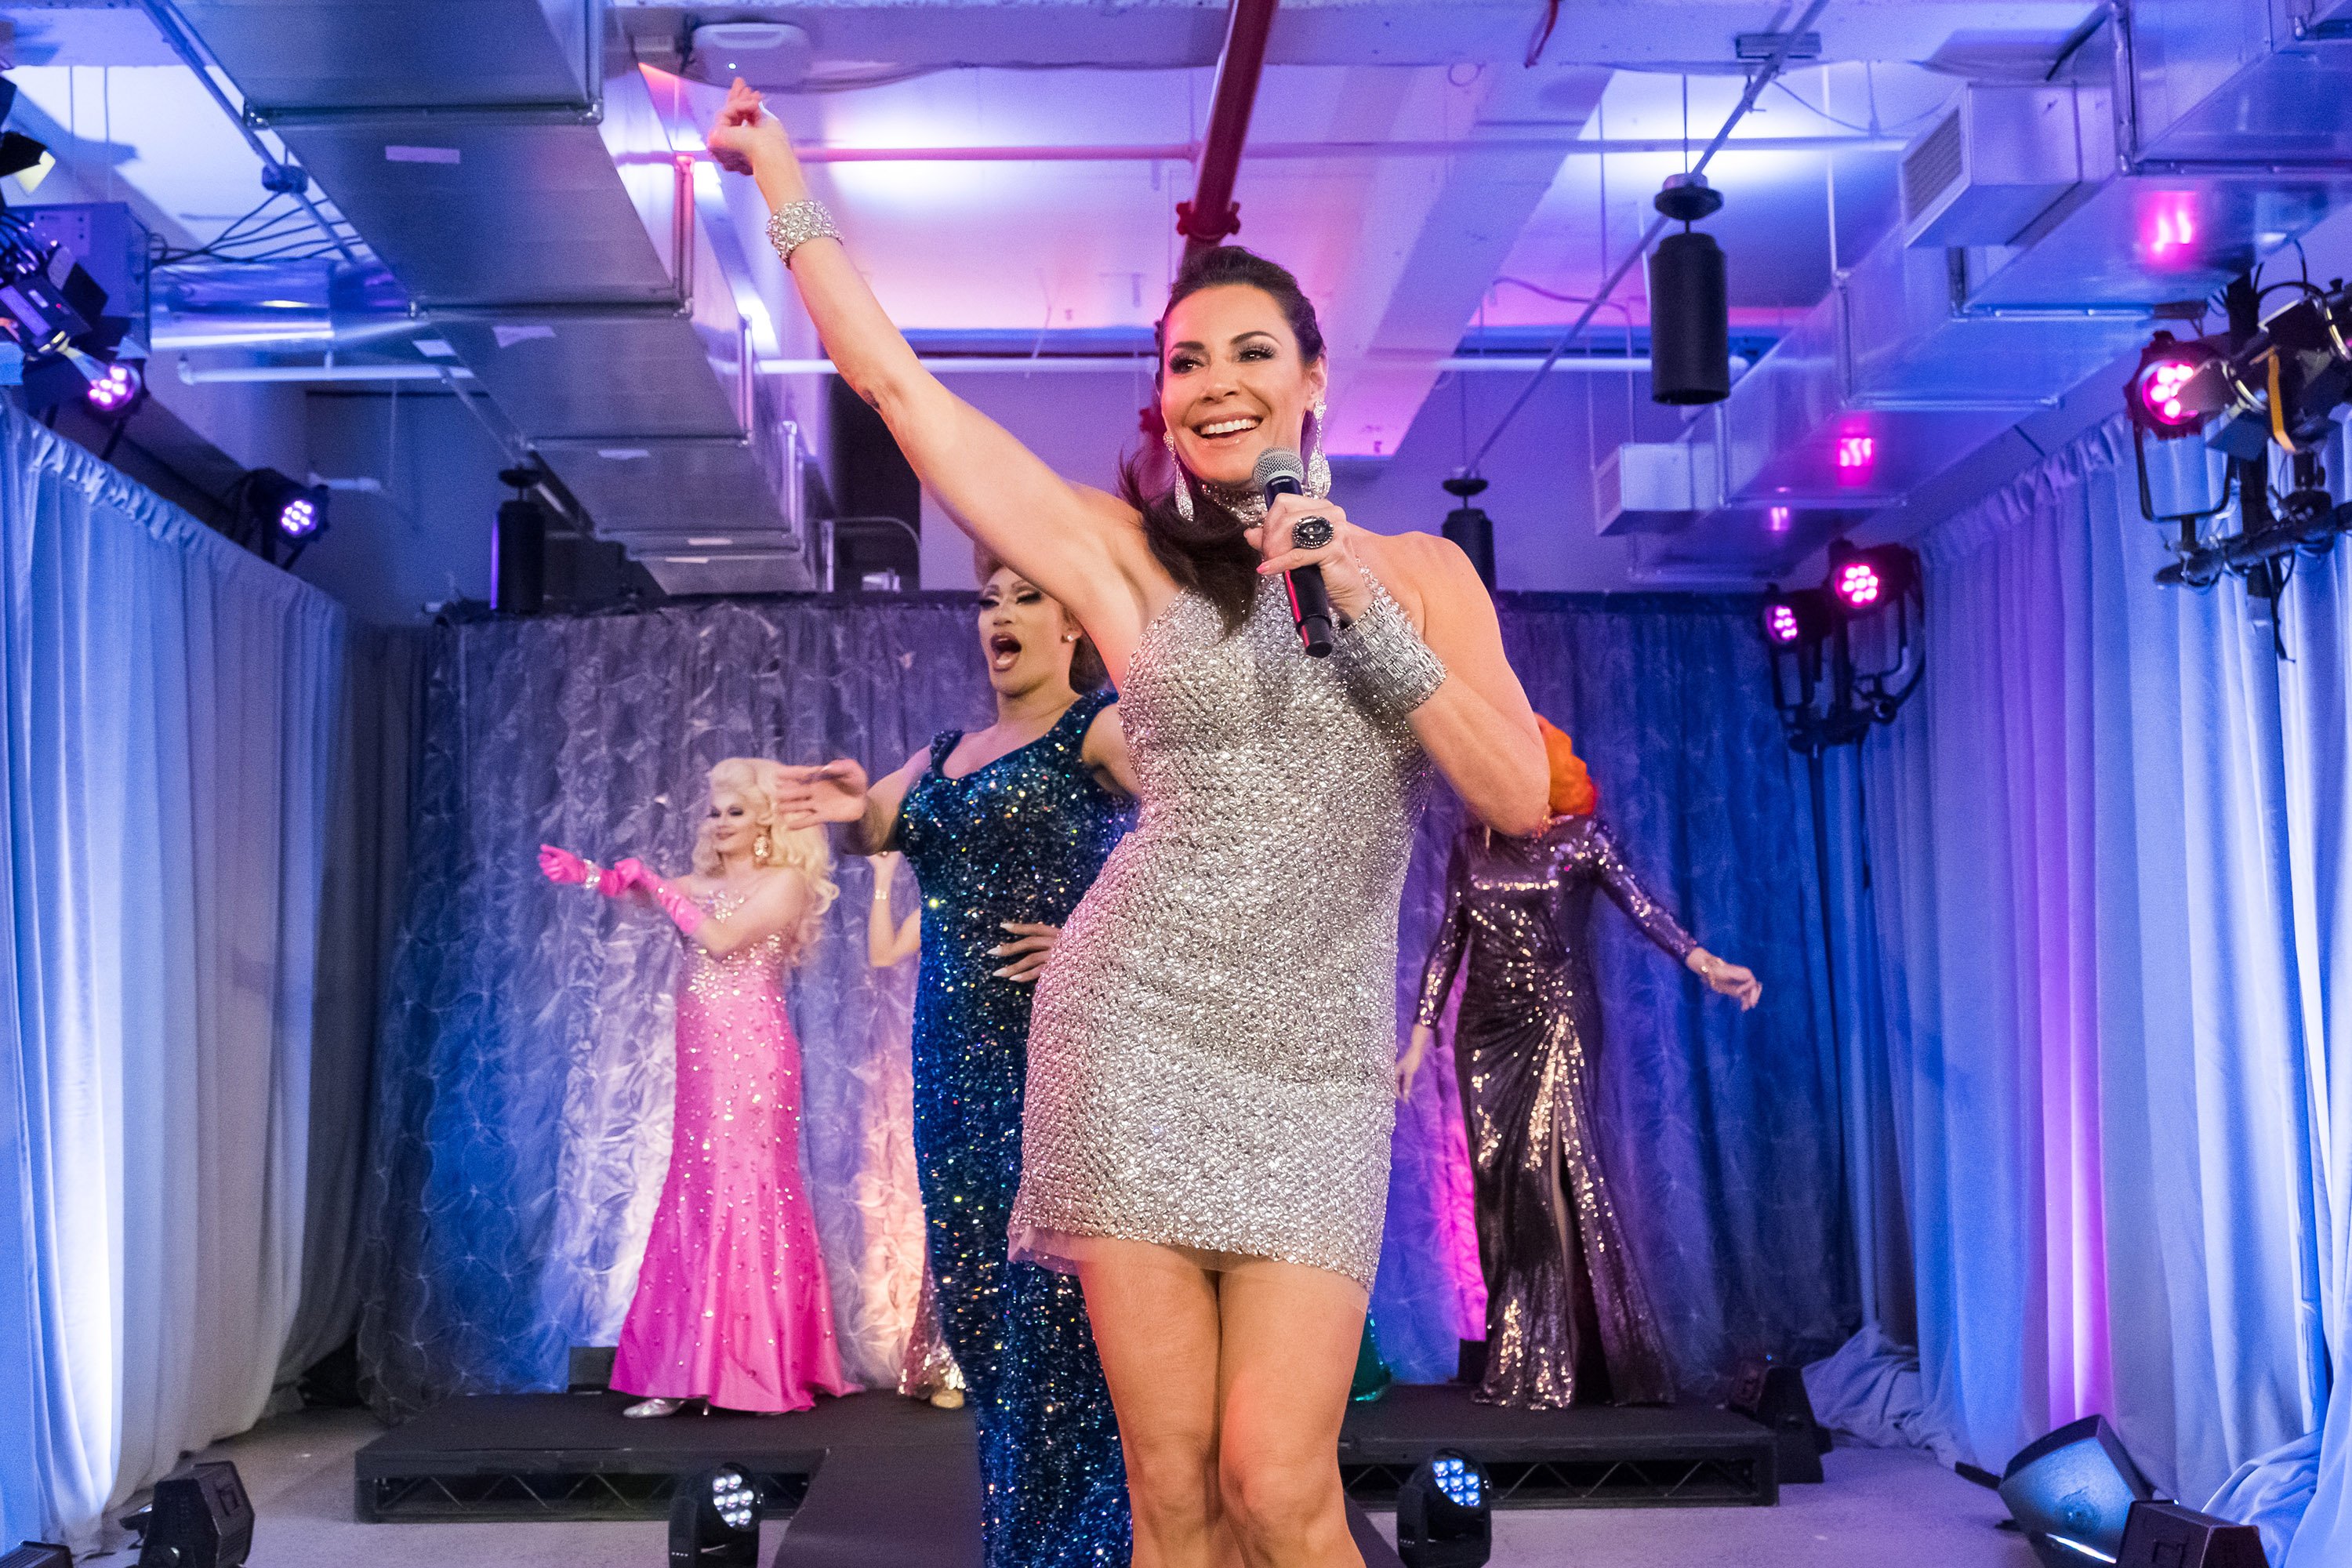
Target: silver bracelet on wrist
x,y
1386,663
795,224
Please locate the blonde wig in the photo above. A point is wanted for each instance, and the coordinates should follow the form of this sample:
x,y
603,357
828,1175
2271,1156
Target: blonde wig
x,y
800,850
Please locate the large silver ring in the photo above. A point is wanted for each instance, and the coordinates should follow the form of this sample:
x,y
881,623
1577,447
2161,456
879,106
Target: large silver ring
x,y
1310,533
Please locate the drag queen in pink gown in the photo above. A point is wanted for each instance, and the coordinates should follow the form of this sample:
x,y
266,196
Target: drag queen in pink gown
x,y
731,1305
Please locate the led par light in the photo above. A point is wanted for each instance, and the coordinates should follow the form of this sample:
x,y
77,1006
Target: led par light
x,y
714,1521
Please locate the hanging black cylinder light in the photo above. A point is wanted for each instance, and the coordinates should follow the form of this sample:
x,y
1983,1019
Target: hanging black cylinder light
x,y
1690,305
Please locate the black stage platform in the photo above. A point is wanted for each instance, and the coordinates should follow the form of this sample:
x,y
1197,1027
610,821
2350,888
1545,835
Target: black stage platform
x,y
875,1478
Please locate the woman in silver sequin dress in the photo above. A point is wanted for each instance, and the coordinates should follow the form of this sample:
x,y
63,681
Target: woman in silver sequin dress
x,y
1211,1056
1567,1320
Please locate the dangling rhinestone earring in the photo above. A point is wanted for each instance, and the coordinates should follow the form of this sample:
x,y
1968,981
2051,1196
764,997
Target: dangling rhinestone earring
x,y
760,850
1318,468
1183,485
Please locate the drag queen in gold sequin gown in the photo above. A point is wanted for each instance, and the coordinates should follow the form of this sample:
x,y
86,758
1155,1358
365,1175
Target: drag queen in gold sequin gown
x,y
1567,1320
1206,1135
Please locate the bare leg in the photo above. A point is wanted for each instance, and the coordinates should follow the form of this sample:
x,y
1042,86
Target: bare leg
x,y
1154,1313
1286,1358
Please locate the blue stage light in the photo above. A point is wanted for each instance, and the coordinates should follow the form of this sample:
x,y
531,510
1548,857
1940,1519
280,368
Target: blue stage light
x,y
1443,1514
714,1521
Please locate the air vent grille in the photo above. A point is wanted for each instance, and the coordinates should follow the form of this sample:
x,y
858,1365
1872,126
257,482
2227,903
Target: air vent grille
x,y
1932,168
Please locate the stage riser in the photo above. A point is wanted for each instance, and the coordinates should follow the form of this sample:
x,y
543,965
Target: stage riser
x,y
575,1457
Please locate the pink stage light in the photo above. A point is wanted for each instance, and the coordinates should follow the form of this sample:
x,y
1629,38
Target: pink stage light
x,y
1858,585
1777,519
1856,455
2169,227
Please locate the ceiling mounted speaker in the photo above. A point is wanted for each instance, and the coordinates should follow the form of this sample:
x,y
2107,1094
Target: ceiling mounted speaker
x,y
1690,303
768,55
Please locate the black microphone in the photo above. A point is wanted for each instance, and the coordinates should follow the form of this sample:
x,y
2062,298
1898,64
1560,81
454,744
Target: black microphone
x,y
1280,473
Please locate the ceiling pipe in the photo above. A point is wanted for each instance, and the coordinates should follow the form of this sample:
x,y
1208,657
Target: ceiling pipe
x,y
1012,365
1212,215
1187,152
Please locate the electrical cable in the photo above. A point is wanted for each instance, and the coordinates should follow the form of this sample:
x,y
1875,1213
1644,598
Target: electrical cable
x,y
1763,79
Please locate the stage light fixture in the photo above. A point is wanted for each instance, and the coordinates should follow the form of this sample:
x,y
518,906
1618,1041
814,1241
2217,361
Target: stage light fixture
x,y
714,1521
38,1554
1864,581
2175,388
201,1518
2167,1535
1796,618
1444,1514
116,391
2072,1492
28,160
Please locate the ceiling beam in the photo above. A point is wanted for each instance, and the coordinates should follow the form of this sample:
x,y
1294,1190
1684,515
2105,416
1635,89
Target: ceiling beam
x,y
1433,234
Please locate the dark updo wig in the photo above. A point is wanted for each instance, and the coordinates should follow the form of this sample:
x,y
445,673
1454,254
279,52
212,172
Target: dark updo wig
x,y
1208,554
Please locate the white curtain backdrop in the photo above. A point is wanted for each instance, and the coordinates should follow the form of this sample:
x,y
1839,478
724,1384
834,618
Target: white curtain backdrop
x,y
170,714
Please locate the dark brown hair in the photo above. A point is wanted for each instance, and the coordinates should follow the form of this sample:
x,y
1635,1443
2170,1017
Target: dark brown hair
x,y
1208,554
1088,671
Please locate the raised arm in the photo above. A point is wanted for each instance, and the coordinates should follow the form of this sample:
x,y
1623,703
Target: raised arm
x,y
836,792
1081,546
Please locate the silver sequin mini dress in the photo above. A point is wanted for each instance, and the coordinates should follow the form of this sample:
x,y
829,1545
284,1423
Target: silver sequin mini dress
x,y
1212,1053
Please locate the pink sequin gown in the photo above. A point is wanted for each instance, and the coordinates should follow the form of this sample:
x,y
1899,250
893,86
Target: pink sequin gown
x,y
731,1304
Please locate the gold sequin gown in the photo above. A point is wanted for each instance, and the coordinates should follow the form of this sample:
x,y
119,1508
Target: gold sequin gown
x,y
1211,1054
1567,1321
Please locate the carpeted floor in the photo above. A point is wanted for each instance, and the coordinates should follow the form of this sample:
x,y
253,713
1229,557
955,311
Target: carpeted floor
x,y
1877,1508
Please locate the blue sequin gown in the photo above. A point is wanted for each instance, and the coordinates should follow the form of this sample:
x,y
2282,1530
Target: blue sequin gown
x,y
1019,839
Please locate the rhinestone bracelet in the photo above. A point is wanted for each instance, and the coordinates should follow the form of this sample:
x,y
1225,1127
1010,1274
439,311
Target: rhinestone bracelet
x,y
795,224
1391,669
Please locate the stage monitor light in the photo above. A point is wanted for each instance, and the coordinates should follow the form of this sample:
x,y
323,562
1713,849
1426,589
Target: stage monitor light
x,y
1864,581
2169,1535
714,1521
38,1554
1443,1516
2072,1492
116,391
201,1519
1469,527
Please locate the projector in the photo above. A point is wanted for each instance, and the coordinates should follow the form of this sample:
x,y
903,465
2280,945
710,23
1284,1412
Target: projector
x,y
768,55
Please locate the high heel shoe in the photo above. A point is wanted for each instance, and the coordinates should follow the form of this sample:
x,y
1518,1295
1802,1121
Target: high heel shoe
x,y
647,1409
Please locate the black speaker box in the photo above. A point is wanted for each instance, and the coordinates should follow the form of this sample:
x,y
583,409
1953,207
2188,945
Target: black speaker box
x,y
1772,1393
38,1554
202,1519
592,1369
2074,1488
2167,1535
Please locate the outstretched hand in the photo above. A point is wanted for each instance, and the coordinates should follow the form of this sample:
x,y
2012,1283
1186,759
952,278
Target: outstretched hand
x,y
745,130
1725,979
561,865
624,876
834,792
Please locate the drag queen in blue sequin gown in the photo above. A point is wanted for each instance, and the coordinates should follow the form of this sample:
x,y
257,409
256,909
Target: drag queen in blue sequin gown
x,y
1005,829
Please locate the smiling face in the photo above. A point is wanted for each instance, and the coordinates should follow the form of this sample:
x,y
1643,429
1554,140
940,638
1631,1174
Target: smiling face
x,y
1024,635
732,827
1232,381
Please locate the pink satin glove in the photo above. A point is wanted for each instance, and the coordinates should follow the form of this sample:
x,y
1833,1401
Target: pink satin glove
x,y
688,915
626,875
562,866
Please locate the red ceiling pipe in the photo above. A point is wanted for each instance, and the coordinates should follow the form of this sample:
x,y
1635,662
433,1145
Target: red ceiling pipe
x,y
1211,216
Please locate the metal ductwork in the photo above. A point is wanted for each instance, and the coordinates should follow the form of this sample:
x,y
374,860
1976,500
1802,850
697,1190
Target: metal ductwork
x,y
2043,226
473,143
